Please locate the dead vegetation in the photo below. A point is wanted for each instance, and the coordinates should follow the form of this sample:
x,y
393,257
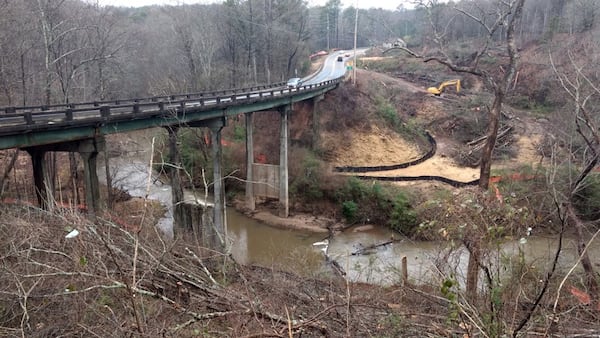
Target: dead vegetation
x,y
120,278
110,281
115,281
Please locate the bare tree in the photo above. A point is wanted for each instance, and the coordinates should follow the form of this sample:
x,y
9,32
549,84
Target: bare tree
x,y
197,42
504,19
500,24
580,84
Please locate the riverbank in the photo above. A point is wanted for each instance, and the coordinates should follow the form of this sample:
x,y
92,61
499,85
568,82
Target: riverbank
x,y
296,221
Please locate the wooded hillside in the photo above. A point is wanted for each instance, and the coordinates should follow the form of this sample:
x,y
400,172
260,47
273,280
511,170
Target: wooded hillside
x,y
56,51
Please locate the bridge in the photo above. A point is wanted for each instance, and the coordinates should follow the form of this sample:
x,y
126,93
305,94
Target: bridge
x,y
81,127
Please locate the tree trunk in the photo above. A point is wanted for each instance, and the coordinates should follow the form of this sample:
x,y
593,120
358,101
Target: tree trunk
x,y
74,178
588,268
7,170
473,269
492,133
181,219
109,185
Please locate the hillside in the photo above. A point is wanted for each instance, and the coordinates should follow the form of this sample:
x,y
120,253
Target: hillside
x,y
115,280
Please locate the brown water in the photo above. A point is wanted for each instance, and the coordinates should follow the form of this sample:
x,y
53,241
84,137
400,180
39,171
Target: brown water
x,y
433,261
257,243
291,250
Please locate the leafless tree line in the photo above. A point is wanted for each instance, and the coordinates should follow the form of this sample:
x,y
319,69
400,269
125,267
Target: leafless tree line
x,y
59,51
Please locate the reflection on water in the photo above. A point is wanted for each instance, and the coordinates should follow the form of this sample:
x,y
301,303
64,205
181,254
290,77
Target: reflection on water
x,y
291,250
253,242
383,264
429,261
257,243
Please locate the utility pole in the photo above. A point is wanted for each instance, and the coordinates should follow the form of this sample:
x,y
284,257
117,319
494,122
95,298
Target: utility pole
x,y
355,34
328,30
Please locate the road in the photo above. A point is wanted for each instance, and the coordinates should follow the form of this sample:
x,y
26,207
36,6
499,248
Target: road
x,y
332,69
34,125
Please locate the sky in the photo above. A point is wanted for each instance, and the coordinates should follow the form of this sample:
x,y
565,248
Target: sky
x,y
385,4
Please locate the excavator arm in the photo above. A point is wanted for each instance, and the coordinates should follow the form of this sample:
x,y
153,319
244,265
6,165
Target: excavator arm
x,y
440,89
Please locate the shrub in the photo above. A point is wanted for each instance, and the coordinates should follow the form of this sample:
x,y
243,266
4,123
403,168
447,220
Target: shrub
x,y
403,218
307,179
349,210
587,199
388,112
363,201
239,133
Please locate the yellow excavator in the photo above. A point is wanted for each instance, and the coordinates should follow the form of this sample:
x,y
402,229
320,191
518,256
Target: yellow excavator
x,y
440,89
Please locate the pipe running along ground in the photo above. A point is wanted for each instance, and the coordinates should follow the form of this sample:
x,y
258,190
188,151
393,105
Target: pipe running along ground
x,y
428,155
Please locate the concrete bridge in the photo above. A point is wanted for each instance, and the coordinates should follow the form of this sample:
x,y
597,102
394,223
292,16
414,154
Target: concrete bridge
x,y
81,127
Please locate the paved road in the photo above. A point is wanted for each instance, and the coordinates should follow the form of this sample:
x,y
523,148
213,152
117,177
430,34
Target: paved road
x,y
34,125
332,68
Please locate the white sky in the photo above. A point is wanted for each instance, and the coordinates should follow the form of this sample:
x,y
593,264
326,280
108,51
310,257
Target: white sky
x,y
386,4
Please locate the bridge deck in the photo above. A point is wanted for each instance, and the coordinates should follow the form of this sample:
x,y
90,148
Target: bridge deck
x,y
40,125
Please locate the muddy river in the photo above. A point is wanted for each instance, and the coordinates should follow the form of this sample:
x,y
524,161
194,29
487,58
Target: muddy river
x,y
309,253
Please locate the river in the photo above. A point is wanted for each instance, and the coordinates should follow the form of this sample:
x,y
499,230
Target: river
x,y
292,250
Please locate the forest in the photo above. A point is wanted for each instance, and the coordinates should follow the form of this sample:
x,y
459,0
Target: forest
x,y
529,74
60,51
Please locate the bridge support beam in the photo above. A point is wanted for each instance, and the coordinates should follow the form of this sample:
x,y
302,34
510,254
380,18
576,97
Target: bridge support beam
x,y
316,126
216,233
219,234
181,218
89,155
250,201
41,181
90,178
88,150
284,202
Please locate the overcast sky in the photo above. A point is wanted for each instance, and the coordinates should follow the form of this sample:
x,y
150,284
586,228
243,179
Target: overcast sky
x,y
386,4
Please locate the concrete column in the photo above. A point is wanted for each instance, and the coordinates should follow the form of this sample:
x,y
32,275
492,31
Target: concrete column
x,y
219,233
181,219
90,178
250,201
316,127
284,203
88,150
43,193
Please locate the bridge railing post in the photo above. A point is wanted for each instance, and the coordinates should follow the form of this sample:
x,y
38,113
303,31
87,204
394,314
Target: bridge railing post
x,y
105,111
28,117
69,114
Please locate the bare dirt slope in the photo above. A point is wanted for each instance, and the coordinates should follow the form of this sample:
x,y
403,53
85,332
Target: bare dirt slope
x,y
382,146
376,147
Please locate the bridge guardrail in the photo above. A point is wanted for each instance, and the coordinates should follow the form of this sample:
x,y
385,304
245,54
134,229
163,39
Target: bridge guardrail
x,y
90,113
211,93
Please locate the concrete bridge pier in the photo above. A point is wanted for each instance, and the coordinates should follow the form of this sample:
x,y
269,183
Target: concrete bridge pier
x,y
284,202
316,127
42,183
216,236
88,149
250,200
181,218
